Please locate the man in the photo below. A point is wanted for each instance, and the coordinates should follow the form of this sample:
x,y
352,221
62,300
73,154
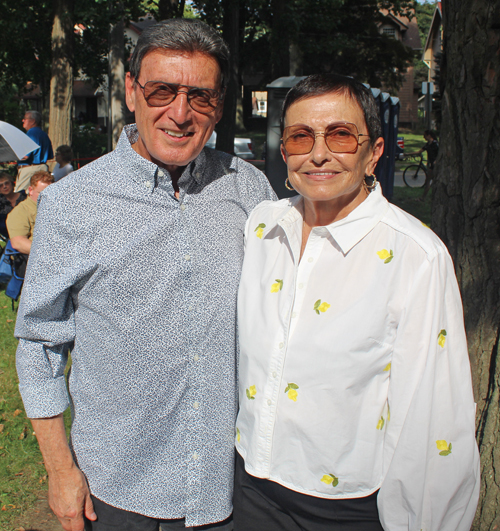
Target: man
x,y
21,220
134,268
36,160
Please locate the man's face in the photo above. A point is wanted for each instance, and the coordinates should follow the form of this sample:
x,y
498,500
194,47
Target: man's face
x,y
174,135
34,191
28,122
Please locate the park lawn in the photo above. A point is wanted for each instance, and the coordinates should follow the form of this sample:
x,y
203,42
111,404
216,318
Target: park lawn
x,y
22,475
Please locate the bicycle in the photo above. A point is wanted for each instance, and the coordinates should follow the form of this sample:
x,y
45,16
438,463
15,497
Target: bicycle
x,y
415,175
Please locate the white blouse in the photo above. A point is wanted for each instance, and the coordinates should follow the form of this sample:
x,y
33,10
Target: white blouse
x,y
354,372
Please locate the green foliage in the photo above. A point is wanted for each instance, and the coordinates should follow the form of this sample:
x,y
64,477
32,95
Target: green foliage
x,y
87,142
332,36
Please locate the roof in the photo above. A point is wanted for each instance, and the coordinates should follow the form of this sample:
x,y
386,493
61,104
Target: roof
x,y
437,20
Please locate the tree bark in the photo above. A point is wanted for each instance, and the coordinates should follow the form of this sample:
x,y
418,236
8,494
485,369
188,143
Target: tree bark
x,y
230,30
61,83
466,212
117,81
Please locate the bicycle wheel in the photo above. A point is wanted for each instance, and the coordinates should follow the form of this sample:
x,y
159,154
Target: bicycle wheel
x,y
414,176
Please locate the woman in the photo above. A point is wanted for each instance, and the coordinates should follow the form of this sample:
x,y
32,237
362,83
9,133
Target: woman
x,y
63,156
8,199
356,406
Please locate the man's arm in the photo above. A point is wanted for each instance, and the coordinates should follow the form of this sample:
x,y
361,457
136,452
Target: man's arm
x,y
69,496
21,244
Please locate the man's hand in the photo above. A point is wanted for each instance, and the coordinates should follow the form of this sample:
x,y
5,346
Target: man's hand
x,y
69,495
69,498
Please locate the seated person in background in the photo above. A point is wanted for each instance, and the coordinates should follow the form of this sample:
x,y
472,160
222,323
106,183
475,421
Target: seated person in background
x,y
8,199
21,220
64,155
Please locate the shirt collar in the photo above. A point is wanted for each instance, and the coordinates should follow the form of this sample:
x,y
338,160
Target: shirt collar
x,y
348,231
143,170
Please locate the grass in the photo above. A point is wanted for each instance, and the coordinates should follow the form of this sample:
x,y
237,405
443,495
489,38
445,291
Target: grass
x,y
409,200
22,473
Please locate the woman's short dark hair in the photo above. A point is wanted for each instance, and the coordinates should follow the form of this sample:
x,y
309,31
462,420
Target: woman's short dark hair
x,y
182,35
5,175
66,152
320,84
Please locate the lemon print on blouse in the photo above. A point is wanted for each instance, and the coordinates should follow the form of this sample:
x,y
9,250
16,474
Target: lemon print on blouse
x,y
260,230
330,479
444,447
380,423
277,286
238,435
442,338
385,255
251,392
320,306
291,389
387,368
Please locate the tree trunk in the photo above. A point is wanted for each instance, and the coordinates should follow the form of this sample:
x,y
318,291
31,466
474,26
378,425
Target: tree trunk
x,y
280,42
230,31
61,83
466,212
117,81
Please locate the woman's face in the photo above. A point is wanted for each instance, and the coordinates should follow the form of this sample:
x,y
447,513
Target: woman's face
x,y
323,176
6,186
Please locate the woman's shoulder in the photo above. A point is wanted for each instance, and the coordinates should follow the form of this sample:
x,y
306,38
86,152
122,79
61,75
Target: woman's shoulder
x,y
274,209
409,227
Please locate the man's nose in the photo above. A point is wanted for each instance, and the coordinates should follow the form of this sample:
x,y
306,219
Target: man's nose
x,y
179,110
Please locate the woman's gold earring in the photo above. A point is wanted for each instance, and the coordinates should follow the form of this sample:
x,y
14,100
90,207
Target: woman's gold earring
x,y
370,187
288,186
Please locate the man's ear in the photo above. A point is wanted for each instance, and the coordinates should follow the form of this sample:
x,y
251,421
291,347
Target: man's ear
x,y
29,190
219,111
130,92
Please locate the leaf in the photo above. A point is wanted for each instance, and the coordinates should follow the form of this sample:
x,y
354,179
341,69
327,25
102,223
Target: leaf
x,y
287,388
248,394
445,452
293,386
335,481
317,303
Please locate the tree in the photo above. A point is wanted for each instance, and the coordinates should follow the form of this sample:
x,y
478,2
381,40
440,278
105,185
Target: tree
x,y
466,212
61,81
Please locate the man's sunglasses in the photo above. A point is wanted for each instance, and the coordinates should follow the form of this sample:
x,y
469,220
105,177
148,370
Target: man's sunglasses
x,y
340,137
160,94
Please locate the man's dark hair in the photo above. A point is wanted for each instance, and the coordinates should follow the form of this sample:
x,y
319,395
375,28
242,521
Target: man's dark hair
x,y
321,84
66,152
182,35
35,116
431,133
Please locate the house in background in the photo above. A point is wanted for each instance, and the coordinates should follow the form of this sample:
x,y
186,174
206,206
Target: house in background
x,y
405,30
434,42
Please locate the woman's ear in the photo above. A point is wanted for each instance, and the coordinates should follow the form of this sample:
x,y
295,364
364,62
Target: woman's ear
x,y
283,153
377,151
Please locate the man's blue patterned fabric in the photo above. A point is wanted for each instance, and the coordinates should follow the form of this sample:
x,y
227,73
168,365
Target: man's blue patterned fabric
x,y
141,288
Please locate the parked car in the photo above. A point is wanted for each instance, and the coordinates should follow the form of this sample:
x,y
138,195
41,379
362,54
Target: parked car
x,y
242,146
400,148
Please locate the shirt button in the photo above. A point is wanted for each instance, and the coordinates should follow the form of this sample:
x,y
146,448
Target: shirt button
x,y
196,357
281,345
269,402
301,285
160,173
196,405
275,374
187,257
147,184
183,207
310,259
196,456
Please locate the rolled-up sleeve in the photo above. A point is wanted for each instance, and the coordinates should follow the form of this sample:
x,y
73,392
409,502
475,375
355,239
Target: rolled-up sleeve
x,y
431,480
45,324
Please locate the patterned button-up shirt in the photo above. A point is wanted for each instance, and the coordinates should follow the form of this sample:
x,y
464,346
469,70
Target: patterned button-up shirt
x,y
141,288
